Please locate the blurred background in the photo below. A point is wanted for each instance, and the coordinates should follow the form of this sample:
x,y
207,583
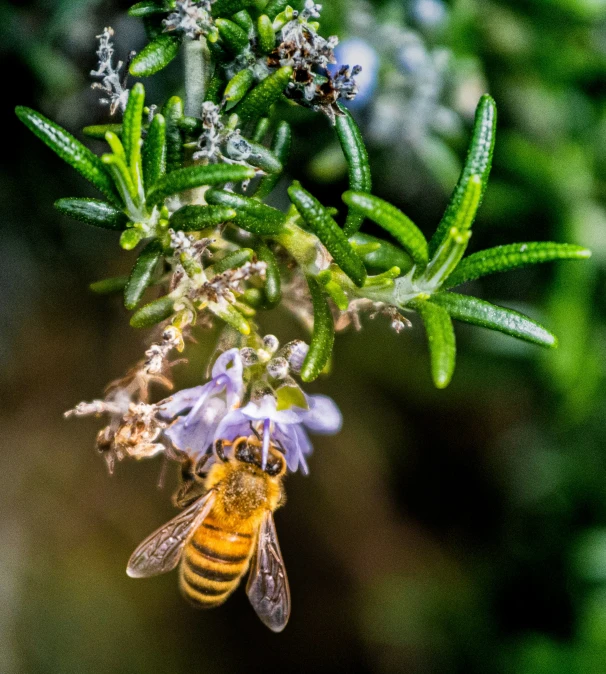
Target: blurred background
x,y
442,531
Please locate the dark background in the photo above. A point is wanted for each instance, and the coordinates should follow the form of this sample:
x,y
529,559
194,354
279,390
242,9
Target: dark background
x,y
453,531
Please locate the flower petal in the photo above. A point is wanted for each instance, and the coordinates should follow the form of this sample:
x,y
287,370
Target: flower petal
x,y
182,401
266,409
324,416
195,433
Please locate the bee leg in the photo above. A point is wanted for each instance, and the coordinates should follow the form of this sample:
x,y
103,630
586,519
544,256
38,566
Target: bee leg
x,y
255,431
199,468
219,449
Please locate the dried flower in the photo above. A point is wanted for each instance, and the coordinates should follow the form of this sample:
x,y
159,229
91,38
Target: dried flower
x,y
192,18
112,83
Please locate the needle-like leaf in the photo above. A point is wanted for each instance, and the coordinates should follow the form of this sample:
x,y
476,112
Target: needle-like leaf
x,y
194,218
323,336
93,212
486,315
70,150
196,176
402,228
355,152
513,256
156,55
478,163
441,338
154,151
264,95
273,288
329,233
252,215
154,312
280,147
142,273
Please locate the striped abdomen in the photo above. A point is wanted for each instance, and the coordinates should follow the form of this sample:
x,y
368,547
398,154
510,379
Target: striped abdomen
x,y
214,560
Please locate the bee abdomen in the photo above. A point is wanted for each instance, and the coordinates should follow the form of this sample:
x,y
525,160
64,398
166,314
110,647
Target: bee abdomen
x,y
213,562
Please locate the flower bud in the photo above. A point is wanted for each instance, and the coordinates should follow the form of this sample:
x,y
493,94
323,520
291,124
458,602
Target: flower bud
x,y
295,353
249,357
271,343
278,368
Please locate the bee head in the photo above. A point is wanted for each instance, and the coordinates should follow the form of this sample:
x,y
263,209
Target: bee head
x,y
250,450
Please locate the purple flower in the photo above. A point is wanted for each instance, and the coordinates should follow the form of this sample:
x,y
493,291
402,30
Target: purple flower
x,y
287,429
199,410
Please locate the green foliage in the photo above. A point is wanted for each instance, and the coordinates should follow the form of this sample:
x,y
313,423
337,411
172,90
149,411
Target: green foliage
x,y
441,338
164,173
156,55
323,335
355,152
330,234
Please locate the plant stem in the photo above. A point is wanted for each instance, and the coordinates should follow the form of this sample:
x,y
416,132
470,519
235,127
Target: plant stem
x,y
197,74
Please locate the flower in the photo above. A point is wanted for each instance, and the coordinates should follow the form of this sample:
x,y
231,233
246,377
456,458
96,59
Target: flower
x,y
200,409
204,414
286,428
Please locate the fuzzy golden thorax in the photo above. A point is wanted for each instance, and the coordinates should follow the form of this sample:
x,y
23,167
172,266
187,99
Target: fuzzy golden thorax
x,y
244,492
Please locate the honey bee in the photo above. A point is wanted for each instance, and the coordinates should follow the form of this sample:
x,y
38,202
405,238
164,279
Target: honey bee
x,y
224,533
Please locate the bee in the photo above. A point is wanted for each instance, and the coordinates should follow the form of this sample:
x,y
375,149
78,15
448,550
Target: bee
x,y
225,532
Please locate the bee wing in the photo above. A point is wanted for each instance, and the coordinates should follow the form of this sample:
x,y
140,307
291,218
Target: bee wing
x,y
161,551
267,586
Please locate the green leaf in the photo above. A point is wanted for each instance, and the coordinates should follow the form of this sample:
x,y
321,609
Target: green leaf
x,y
264,95
233,260
478,163
154,312
264,159
329,233
323,337
486,315
280,146
173,112
513,256
273,287
154,151
142,273
196,176
234,38
384,255
267,36
228,7
402,228
358,165
122,177
93,212
215,87
130,238
156,55
147,8
252,215
131,130
98,131
195,218
238,87
441,338
274,7
261,129
70,150
109,286
244,20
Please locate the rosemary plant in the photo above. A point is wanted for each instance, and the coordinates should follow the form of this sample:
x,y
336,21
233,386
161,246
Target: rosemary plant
x,y
185,184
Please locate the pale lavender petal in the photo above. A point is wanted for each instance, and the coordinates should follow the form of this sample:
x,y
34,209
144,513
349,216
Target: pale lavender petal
x,y
182,401
266,409
228,367
323,416
233,425
196,434
305,448
286,439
